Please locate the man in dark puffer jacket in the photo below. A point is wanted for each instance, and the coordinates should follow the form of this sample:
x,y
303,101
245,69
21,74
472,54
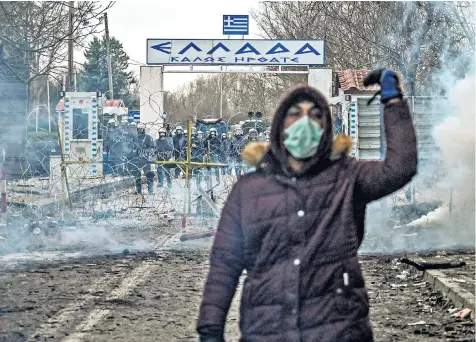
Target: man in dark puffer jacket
x,y
296,223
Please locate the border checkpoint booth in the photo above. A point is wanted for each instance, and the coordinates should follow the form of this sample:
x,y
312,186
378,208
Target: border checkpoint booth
x,y
80,137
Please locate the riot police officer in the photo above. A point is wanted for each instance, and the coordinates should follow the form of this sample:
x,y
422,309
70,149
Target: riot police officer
x,y
179,152
144,152
200,136
165,152
113,146
224,154
129,147
214,148
197,152
252,135
237,146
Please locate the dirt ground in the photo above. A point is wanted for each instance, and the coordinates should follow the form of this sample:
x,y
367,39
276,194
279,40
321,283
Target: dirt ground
x,y
155,296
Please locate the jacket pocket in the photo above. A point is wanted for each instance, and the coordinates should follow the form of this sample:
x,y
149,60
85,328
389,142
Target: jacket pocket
x,y
258,320
352,303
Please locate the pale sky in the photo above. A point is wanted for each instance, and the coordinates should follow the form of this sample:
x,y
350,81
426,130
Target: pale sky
x,y
133,21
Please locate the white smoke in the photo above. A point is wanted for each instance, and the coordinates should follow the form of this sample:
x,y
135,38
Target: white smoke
x,y
455,137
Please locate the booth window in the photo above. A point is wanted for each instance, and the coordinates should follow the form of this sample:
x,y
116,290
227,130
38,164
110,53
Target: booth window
x,y
80,124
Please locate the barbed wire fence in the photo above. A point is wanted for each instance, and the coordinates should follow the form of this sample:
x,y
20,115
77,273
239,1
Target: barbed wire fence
x,y
38,199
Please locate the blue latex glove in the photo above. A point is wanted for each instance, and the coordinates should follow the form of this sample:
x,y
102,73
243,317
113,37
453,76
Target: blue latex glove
x,y
389,84
390,87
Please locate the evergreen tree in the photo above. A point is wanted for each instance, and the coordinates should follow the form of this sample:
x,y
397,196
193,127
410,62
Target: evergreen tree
x,y
94,76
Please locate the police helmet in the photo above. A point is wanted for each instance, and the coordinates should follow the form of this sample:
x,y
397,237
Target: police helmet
x,y
162,132
178,129
237,132
112,123
141,128
253,134
223,136
213,132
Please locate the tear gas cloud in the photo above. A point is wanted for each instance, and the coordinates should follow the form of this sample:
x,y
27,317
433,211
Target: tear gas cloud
x,y
455,137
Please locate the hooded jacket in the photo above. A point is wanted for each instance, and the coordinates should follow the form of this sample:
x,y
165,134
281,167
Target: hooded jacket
x,y
297,234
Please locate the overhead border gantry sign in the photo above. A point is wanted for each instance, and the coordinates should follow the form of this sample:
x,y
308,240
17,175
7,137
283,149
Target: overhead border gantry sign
x,y
235,52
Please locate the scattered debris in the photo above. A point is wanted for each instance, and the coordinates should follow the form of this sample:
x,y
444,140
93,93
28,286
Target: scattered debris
x,y
462,314
417,323
422,266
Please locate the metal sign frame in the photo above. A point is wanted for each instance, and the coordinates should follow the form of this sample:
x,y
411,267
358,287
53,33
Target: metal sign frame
x,y
168,50
240,69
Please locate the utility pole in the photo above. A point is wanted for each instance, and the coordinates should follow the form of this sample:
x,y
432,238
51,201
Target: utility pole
x,y
109,64
70,48
74,79
48,102
221,92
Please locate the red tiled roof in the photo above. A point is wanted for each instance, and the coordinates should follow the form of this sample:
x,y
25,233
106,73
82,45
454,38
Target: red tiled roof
x,y
60,105
112,103
349,79
108,103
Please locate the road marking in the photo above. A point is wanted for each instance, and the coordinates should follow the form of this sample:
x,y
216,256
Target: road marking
x,y
66,314
138,275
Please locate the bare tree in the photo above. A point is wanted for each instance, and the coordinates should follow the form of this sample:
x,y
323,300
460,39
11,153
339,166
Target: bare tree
x,y
411,37
241,93
34,37
37,32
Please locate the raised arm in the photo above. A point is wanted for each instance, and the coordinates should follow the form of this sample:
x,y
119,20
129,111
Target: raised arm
x,y
226,266
376,179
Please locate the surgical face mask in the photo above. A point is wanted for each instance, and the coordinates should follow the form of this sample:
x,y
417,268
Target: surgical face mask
x,y
303,138
162,136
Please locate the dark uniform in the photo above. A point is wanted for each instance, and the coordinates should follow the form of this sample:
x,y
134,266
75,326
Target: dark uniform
x,y
165,152
113,145
179,150
197,152
213,145
238,144
224,155
143,152
129,147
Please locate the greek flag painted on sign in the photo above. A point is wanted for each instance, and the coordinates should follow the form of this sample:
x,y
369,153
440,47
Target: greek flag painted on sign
x,y
235,24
